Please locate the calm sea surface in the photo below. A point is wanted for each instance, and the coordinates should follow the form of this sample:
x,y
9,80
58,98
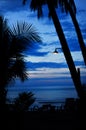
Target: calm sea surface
x,y
54,95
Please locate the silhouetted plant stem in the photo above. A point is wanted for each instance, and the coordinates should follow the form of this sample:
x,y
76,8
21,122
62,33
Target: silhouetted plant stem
x,y
65,49
78,31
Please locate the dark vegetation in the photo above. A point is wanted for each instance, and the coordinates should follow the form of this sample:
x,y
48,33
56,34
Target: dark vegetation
x,y
67,6
12,45
70,116
22,102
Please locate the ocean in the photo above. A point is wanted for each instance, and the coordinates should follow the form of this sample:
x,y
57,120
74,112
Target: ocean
x,y
54,95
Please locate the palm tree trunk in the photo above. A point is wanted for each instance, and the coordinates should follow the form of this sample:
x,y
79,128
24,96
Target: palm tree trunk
x,y
66,51
78,31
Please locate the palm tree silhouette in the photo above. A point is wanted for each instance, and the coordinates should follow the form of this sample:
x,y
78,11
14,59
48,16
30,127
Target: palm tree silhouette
x,y
52,4
23,101
13,43
67,5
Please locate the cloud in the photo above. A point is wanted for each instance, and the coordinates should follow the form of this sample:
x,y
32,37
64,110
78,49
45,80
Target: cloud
x,y
34,66
14,10
35,50
12,5
80,4
49,36
36,53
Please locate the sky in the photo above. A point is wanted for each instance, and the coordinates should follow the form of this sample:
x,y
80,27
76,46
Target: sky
x,y
44,67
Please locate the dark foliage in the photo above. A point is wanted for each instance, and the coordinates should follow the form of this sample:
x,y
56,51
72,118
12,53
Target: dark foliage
x,y
23,101
13,43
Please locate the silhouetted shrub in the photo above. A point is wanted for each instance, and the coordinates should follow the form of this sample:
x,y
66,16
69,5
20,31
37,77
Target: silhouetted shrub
x,y
23,101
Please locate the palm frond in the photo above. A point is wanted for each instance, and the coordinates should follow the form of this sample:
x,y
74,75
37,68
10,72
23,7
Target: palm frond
x,y
13,44
23,101
24,2
26,31
18,69
36,5
72,4
64,4
23,35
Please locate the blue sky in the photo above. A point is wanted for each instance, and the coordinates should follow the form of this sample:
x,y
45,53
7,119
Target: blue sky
x,y
42,63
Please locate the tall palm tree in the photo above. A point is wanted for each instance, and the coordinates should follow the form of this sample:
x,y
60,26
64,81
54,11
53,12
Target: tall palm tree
x,y
13,44
52,4
66,5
